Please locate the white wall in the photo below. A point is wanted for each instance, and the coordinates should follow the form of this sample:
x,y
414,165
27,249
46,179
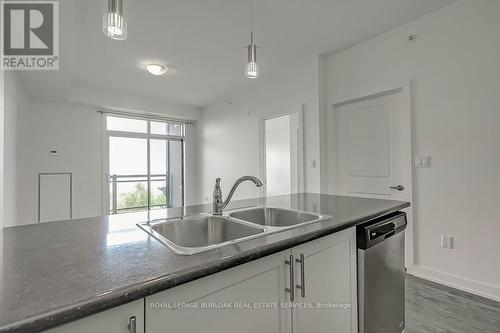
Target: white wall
x,y
31,129
16,104
2,102
76,131
113,100
455,73
228,131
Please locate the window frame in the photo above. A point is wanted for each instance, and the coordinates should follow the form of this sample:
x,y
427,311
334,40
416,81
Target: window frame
x,y
106,209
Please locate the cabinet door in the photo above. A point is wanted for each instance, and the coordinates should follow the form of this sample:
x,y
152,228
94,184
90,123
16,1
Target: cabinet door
x,y
244,299
330,302
115,320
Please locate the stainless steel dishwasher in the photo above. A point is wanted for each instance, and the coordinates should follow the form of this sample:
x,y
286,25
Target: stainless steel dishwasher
x,y
381,274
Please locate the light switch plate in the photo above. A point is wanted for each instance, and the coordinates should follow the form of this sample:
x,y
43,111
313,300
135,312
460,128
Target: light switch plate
x,y
423,161
446,242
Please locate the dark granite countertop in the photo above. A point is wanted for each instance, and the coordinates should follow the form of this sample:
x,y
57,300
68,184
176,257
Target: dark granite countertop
x,y
53,273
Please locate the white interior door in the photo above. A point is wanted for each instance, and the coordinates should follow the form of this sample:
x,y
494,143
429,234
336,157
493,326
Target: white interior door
x,y
372,151
372,148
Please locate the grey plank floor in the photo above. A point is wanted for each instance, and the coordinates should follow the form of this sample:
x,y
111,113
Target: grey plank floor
x,y
431,308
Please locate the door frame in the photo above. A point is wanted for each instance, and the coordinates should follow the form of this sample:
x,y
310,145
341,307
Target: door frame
x,y
405,88
297,177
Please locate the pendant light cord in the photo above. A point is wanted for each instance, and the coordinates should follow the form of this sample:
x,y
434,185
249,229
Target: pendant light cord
x,y
251,21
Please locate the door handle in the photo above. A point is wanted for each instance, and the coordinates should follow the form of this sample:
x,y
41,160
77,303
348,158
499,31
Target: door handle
x,y
132,325
302,286
397,188
292,280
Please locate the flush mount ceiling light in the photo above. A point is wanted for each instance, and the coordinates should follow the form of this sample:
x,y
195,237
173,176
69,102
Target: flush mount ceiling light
x,y
156,69
251,69
115,19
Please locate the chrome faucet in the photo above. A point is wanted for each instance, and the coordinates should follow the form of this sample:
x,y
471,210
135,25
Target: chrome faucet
x,y
219,205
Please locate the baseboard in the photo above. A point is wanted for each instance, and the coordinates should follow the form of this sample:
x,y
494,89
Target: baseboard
x,y
467,285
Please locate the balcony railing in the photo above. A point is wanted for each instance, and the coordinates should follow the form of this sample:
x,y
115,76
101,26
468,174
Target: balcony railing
x,y
115,180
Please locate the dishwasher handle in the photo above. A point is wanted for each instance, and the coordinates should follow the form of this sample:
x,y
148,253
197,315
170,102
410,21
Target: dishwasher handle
x,y
385,231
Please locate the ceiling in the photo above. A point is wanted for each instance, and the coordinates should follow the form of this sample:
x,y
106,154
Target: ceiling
x,y
202,42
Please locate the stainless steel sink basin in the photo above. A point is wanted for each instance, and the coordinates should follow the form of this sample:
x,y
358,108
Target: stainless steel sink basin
x,y
194,234
275,217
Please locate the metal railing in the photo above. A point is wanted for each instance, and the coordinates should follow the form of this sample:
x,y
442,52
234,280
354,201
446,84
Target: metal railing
x,y
114,180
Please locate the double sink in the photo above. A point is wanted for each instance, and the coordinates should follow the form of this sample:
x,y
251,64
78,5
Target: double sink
x,y
194,234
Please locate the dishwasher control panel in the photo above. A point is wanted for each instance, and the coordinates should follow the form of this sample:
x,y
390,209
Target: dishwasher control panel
x,y
374,232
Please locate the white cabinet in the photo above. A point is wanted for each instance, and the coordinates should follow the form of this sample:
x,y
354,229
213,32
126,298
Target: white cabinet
x,y
244,299
326,269
115,320
229,301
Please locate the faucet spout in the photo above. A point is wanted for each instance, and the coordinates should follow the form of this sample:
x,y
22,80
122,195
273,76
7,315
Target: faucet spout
x,y
218,204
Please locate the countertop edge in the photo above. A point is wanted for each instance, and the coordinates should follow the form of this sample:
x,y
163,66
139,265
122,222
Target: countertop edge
x,y
147,288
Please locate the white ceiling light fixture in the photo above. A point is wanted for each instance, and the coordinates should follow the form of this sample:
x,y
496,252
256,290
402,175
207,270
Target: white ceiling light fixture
x,y
251,69
156,69
115,19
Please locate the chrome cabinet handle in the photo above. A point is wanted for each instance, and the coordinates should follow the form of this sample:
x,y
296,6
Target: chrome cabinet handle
x,y
132,325
302,286
292,280
397,188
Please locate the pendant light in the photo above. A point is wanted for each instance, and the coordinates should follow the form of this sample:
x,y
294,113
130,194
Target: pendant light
x,y
115,19
251,69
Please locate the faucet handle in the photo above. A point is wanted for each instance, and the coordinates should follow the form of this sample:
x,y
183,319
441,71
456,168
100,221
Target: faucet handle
x,y
217,184
217,198
217,190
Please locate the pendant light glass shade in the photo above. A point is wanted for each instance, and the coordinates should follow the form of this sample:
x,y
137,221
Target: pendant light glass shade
x,y
115,19
252,69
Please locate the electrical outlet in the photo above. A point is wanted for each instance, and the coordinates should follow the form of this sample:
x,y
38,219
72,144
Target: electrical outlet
x,y
446,242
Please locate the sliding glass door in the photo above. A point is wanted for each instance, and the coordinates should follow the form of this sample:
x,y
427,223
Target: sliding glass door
x,y
145,164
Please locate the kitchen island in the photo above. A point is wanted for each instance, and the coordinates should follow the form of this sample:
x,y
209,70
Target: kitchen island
x,y
55,273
